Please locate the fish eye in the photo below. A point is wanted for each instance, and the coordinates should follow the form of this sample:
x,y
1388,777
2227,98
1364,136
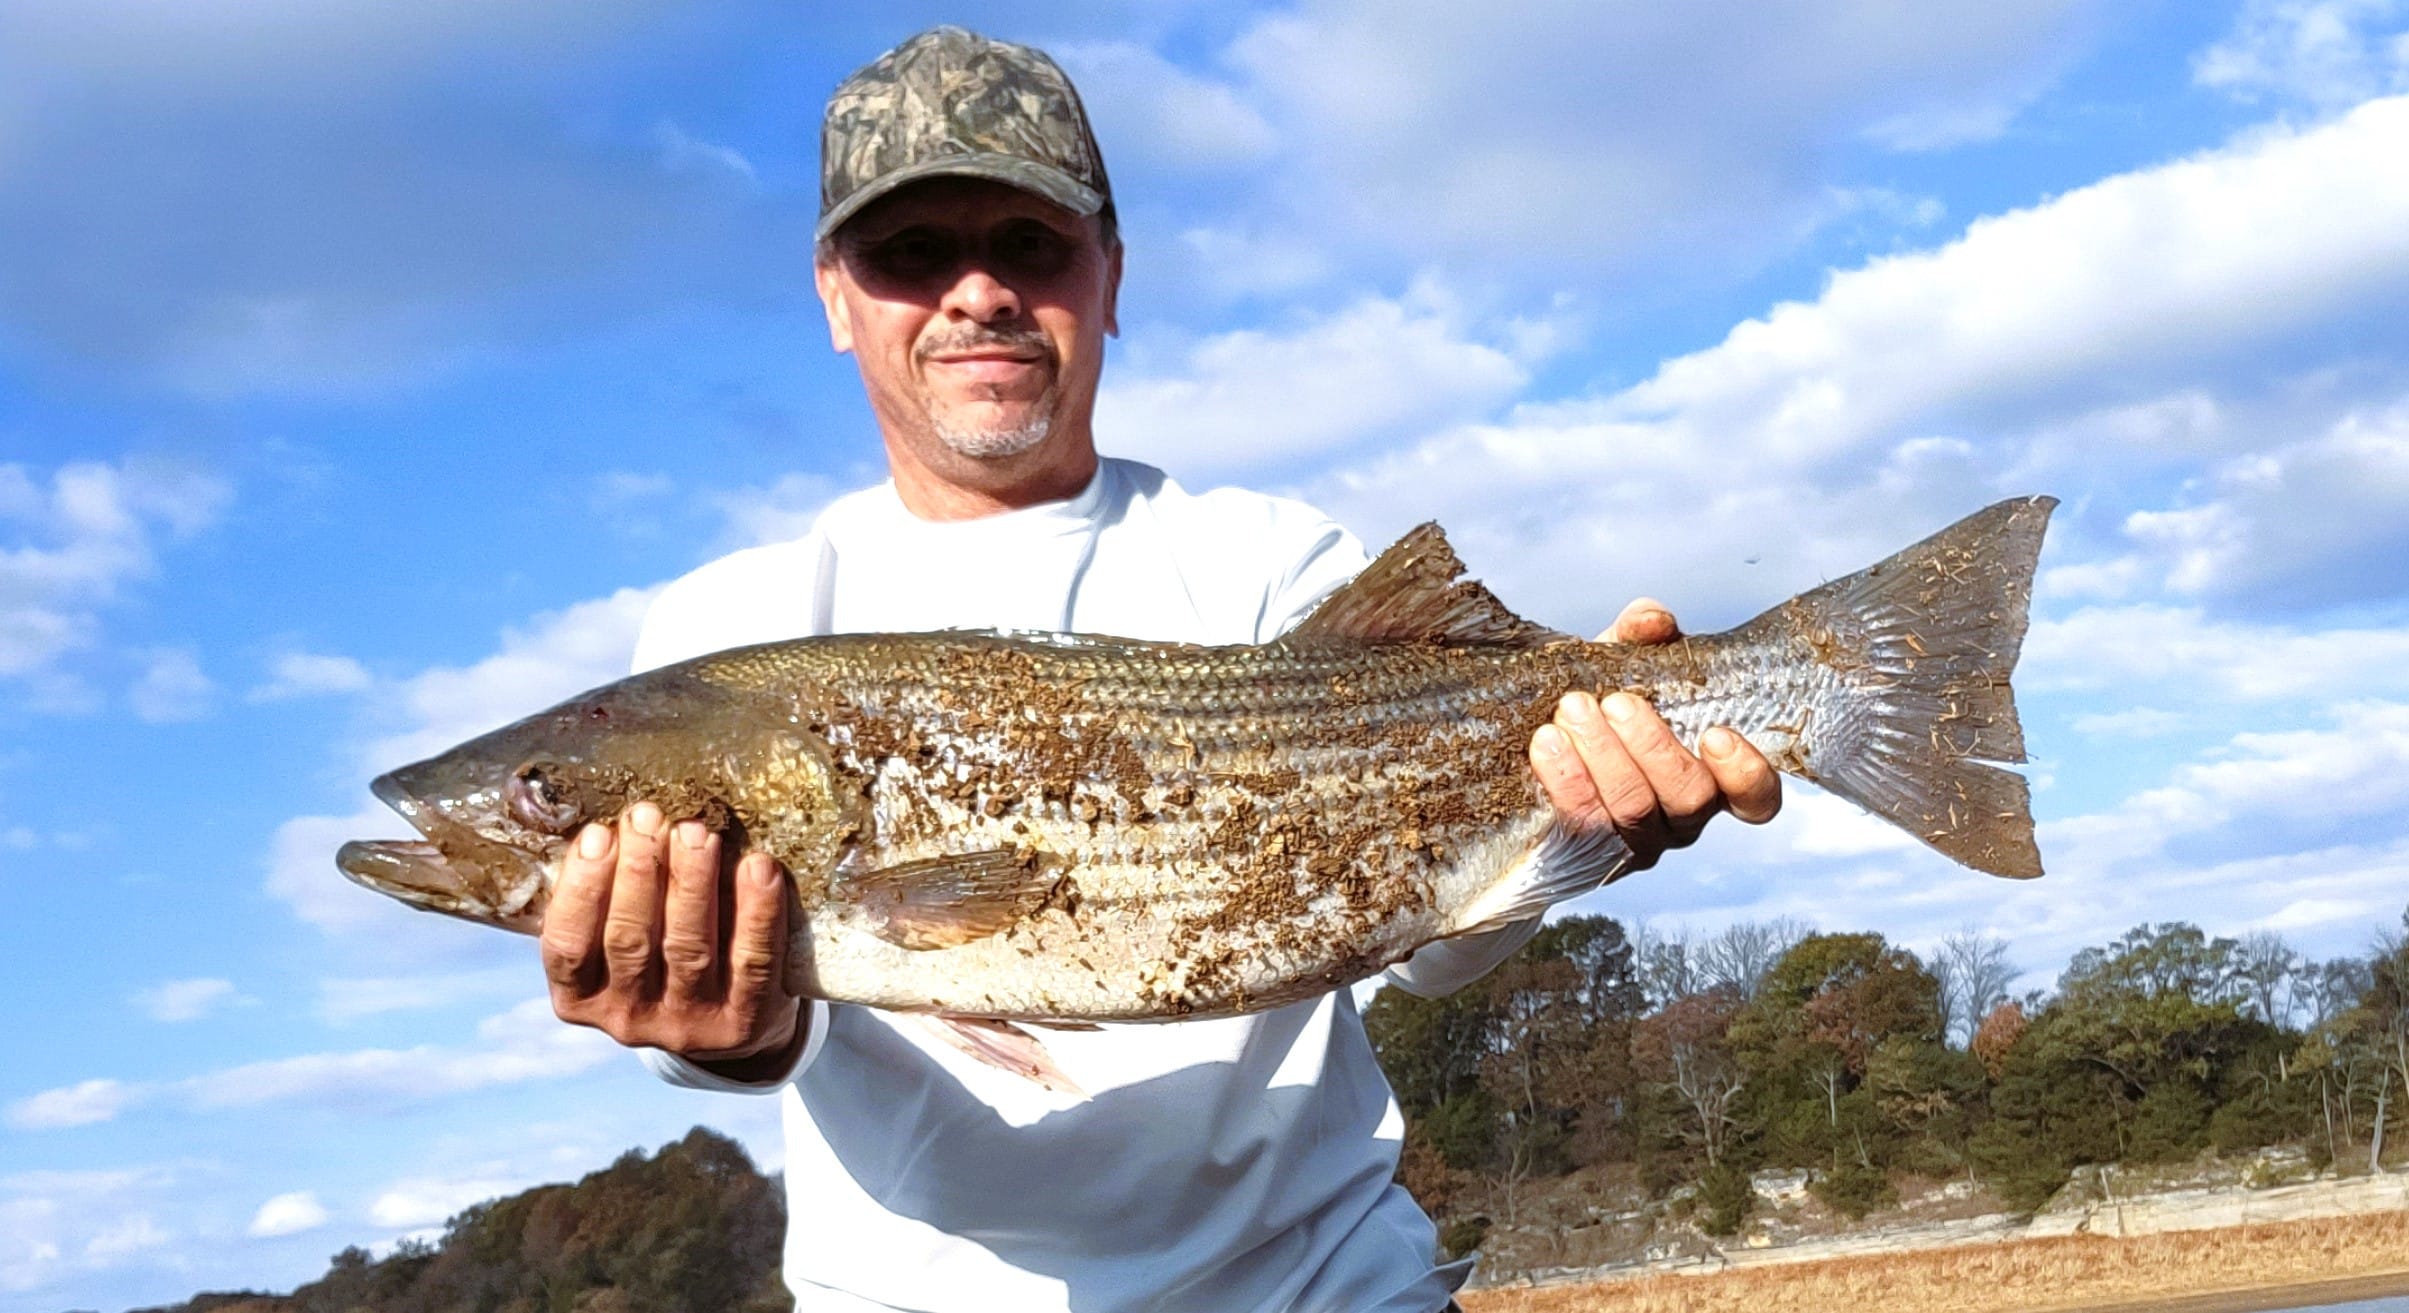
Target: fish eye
x,y
538,801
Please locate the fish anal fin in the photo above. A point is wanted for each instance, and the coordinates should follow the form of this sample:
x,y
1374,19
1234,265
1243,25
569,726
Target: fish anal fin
x,y
1005,1047
945,902
1415,592
1566,860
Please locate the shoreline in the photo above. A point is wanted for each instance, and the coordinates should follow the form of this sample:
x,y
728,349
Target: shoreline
x,y
2249,1268
2269,1299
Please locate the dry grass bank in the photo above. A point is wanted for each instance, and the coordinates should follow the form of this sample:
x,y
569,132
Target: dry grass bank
x,y
2020,1276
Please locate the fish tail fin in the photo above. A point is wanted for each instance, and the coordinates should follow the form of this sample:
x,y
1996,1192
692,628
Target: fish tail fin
x,y
1922,645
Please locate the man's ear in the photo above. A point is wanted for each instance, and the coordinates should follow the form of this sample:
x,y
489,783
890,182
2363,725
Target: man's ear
x,y
1112,292
831,281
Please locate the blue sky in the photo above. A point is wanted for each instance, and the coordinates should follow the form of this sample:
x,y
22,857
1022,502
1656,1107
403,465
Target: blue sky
x,y
363,368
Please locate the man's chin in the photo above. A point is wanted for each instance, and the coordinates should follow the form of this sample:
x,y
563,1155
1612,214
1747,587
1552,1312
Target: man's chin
x,y
999,438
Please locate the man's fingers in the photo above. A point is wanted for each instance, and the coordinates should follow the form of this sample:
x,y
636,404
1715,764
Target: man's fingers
x,y
757,944
690,929
1561,772
1752,788
630,930
1625,797
573,915
1644,621
1683,786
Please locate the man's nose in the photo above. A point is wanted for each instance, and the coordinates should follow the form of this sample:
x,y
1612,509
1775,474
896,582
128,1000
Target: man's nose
x,y
982,297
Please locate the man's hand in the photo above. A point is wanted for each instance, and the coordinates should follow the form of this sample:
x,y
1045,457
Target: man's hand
x,y
640,942
1615,762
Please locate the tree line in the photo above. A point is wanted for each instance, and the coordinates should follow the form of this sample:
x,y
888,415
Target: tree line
x,y
1697,1060
1691,1060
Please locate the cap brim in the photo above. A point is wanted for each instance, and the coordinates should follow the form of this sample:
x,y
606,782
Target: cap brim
x,y
1041,180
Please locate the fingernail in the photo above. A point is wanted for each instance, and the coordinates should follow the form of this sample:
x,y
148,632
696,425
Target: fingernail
x,y
692,836
645,819
1548,742
760,869
594,841
1621,707
1579,708
1719,742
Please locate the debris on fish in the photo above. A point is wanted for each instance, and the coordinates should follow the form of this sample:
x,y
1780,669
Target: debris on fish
x,y
997,827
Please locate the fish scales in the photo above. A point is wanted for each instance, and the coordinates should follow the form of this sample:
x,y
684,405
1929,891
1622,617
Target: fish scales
x,y
1076,828
1237,834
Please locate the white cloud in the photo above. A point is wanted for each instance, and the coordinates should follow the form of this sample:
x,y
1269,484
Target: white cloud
x,y
172,687
526,1043
2133,723
2323,53
124,1238
682,150
1151,111
187,1000
1333,383
551,657
310,674
343,1000
2179,651
1619,130
71,543
616,488
429,1200
56,1222
72,1105
2298,524
288,1214
778,513
1818,436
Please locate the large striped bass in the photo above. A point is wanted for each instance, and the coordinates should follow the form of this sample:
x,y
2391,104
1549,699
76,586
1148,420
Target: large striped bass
x,y
1069,828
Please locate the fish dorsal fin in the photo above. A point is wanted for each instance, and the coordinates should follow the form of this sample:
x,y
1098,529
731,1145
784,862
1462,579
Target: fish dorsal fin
x,y
1415,592
944,902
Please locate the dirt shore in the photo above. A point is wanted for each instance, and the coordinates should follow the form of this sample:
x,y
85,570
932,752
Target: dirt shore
x,y
2265,1299
2232,1270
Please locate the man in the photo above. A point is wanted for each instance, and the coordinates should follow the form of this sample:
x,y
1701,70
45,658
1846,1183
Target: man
x,y
968,260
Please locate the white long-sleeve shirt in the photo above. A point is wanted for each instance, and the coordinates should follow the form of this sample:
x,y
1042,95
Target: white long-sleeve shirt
x,y
1226,1165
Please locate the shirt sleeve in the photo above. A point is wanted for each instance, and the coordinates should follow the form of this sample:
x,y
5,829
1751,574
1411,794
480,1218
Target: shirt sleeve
x,y
691,1075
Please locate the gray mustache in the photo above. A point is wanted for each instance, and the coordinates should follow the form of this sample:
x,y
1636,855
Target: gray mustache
x,y
986,339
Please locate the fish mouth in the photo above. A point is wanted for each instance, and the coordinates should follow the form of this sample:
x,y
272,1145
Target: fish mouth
x,y
454,870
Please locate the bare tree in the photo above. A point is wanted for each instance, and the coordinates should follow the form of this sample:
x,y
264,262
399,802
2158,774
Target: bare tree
x,y
1974,973
2333,988
1666,962
2267,966
1744,953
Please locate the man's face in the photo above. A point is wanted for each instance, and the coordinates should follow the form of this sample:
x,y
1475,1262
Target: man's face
x,y
977,313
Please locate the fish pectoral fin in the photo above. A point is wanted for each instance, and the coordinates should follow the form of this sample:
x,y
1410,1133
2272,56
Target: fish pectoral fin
x,y
1064,1025
1566,861
1415,592
1005,1047
944,902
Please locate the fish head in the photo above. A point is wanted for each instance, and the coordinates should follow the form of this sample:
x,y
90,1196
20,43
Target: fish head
x,y
499,812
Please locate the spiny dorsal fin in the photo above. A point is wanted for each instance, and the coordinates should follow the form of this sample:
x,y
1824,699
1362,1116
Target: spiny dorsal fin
x,y
1415,593
941,902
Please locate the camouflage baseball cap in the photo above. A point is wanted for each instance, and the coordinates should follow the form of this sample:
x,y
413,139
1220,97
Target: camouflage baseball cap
x,y
951,103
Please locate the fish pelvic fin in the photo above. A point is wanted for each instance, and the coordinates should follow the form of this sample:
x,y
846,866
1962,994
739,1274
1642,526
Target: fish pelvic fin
x,y
1005,1047
1415,592
944,902
1923,644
